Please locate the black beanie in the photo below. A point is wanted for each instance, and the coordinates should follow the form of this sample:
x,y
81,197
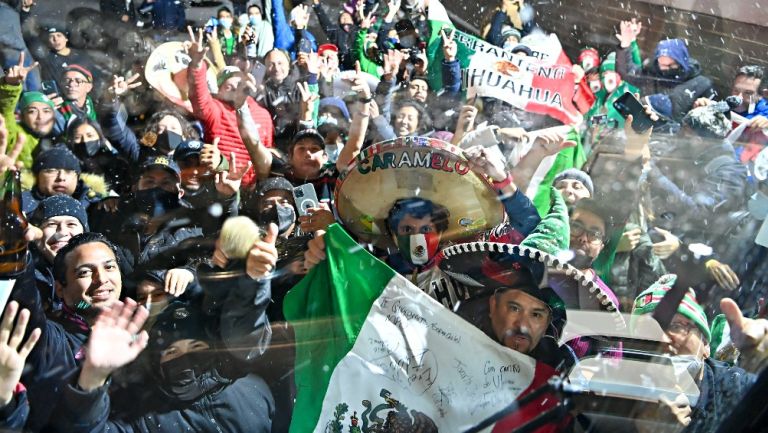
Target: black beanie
x,y
58,157
58,205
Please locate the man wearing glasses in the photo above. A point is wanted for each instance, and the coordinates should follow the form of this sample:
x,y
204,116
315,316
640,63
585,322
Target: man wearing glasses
x,y
590,226
77,83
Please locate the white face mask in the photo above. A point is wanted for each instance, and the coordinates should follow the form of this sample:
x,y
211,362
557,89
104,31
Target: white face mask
x,y
610,82
758,205
595,86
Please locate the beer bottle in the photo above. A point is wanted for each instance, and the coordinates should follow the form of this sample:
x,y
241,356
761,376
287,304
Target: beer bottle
x,y
13,224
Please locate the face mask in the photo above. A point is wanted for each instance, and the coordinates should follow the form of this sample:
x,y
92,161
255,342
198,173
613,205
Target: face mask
x,y
255,19
88,149
418,249
168,141
327,120
509,45
672,73
283,216
758,205
185,377
588,63
595,86
687,364
156,201
226,23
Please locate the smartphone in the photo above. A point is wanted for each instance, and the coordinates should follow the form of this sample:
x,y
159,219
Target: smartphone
x,y
49,87
305,197
628,104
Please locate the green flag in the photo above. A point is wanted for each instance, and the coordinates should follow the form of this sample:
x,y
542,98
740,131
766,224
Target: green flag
x,y
373,348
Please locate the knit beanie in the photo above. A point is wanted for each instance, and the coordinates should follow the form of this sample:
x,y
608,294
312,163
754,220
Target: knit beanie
x,y
60,205
30,97
576,174
609,64
57,157
647,301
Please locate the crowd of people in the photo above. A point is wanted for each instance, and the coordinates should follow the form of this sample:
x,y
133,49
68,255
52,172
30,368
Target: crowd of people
x,y
138,310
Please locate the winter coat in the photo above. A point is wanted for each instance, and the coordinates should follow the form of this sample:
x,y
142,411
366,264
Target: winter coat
x,y
219,119
14,415
83,193
721,389
12,44
9,98
56,355
168,15
344,40
283,101
682,90
243,405
288,38
114,123
115,9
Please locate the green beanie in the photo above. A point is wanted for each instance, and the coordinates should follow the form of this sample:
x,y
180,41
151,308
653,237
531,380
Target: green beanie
x,y
609,64
649,299
30,97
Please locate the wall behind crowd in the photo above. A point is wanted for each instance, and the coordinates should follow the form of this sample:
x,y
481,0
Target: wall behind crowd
x,y
720,45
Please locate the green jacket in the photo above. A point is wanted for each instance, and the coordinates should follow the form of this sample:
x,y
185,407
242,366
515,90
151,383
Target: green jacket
x,y
9,98
359,53
573,157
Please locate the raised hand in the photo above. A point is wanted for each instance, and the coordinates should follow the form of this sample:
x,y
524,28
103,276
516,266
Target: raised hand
x,y
121,86
750,336
262,257
313,63
302,18
723,275
629,240
392,61
8,161
177,280
393,6
628,31
449,45
247,87
228,182
360,85
367,21
13,353
317,218
17,74
315,252
637,144
196,48
210,155
485,164
116,339
551,143
308,99
668,246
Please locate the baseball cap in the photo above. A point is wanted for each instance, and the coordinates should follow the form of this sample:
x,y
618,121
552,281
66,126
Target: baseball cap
x,y
309,133
186,149
161,162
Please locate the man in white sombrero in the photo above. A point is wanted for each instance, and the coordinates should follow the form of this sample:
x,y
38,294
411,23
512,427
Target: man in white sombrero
x,y
412,195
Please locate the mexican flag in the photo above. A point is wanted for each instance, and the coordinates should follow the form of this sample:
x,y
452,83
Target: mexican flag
x,y
542,83
374,350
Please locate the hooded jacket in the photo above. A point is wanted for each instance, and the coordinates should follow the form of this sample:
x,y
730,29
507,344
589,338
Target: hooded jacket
x,y
683,89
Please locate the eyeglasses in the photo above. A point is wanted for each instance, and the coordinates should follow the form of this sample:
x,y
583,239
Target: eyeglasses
x,y
78,81
578,229
680,329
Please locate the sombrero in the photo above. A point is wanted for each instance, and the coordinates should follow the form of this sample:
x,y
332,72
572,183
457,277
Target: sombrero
x,y
486,266
166,72
414,167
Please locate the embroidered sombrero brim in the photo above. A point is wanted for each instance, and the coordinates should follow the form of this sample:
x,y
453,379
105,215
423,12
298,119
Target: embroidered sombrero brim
x,y
415,167
486,266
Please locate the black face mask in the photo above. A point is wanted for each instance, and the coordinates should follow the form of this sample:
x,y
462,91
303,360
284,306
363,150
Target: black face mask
x,y
189,377
156,201
282,216
168,141
87,149
672,73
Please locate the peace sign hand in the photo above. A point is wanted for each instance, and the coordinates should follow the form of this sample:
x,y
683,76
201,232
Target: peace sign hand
x,y
17,74
8,161
121,86
195,48
228,182
449,45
